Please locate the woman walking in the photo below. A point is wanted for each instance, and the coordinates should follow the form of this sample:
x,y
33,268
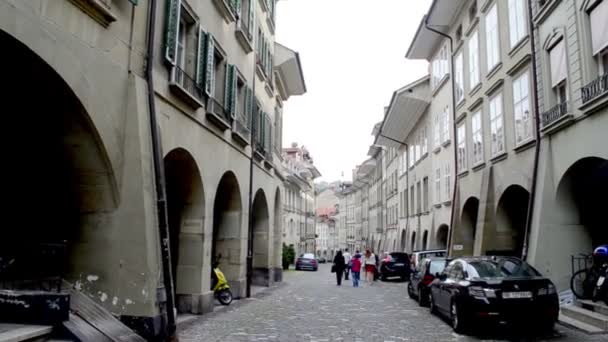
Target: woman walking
x,y
355,269
370,266
339,266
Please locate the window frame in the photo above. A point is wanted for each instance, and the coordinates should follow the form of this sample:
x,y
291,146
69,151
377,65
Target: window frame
x,y
461,136
494,129
477,134
492,38
518,29
459,76
438,185
447,180
474,72
526,125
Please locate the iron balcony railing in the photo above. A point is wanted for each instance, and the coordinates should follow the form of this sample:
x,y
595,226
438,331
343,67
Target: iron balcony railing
x,y
554,113
180,77
595,88
32,266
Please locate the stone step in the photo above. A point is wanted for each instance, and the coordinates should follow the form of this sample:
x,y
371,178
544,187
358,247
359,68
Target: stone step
x,y
23,332
599,307
593,318
574,323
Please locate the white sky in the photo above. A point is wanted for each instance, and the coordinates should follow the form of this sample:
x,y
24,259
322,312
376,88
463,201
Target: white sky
x,y
353,56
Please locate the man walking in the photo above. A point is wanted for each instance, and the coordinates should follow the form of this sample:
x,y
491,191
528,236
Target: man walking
x,y
347,263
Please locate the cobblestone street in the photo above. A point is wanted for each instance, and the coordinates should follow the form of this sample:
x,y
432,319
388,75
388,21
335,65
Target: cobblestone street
x,y
309,306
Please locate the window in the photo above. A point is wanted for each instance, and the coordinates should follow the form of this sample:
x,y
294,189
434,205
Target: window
x,y
459,66
557,56
437,129
604,62
278,129
417,149
447,184
473,10
496,125
492,40
412,156
438,185
406,206
462,149
439,66
220,68
517,21
521,109
477,138
425,192
412,200
445,125
473,60
418,198
459,33
424,141
599,31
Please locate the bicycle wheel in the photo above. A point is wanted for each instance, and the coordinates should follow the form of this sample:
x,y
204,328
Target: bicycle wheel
x,y
582,283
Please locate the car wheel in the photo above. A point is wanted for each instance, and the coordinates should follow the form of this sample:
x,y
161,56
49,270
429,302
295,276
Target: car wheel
x,y
422,297
410,291
456,317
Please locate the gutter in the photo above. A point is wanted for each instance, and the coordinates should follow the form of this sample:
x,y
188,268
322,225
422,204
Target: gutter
x,y
159,179
530,213
452,79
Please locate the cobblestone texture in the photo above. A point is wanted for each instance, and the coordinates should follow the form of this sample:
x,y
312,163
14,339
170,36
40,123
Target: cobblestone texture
x,y
309,307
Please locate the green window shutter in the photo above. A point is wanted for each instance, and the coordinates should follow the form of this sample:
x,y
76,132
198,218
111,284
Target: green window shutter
x,y
172,30
251,11
238,7
233,93
262,122
200,58
228,88
209,66
247,114
268,131
254,122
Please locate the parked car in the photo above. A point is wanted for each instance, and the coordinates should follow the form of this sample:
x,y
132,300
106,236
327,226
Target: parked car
x,y
475,290
418,256
321,260
307,261
396,265
421,279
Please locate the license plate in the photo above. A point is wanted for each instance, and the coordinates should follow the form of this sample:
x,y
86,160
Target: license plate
x,y
399,265
600,281
517,295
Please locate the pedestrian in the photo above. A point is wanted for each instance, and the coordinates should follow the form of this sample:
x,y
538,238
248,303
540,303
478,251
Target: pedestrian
x,y
347,259
356,269
370,266
338,267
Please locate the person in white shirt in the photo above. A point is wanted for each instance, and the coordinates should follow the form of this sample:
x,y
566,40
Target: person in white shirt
x,y
347,258
369,262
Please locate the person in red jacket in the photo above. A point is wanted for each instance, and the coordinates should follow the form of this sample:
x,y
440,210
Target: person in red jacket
x,y
356,269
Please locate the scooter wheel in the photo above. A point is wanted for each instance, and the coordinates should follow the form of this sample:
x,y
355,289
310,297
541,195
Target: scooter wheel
x,y
225,297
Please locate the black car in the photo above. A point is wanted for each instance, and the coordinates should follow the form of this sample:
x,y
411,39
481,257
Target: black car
x,y
421,279
397,265
494,289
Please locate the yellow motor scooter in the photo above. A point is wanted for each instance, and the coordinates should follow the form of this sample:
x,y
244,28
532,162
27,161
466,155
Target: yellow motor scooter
x,y
221,289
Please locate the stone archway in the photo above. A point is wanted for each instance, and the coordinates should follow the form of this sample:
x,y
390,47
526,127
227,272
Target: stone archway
x,y
508,236
186,209
413,242
403,244
261,242
228,247
279,231
425,240
60,187
441,238
468,227
581,204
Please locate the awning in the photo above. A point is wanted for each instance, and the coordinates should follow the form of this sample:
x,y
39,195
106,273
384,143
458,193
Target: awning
x,y
288,68
373,149
366,168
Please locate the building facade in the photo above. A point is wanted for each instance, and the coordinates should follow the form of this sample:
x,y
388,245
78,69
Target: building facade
x,y
216,89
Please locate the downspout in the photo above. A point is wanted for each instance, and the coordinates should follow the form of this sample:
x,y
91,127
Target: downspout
x,y
530,213
159,177
250,234
452,214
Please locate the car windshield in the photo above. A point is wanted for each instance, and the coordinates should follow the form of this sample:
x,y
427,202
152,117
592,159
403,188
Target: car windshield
x,y
308,256
399,257
437,266
501,268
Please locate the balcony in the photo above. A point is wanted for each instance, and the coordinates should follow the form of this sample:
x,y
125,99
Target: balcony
x,y
240,132
554,115
217,114
593,90
186,87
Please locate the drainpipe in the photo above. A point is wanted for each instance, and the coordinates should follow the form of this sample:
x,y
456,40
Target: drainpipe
x,y
452,214
159,177
250,204
530,213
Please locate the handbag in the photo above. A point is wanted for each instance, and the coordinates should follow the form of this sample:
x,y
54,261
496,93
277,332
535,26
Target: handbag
x,y
333,268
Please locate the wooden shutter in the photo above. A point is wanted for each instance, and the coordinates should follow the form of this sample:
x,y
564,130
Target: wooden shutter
x,y
200,58
237,7
209,66
251,11
172,30
233,93
267,132
228,88
248,107
255,130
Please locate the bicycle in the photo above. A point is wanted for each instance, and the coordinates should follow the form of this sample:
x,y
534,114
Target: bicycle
x,y
584,282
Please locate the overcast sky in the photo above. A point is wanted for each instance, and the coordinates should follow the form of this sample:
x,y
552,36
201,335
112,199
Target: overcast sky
x,y
353,56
